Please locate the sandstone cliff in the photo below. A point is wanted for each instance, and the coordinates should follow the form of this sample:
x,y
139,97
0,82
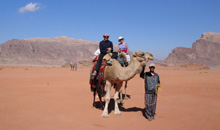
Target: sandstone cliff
x,y
206,50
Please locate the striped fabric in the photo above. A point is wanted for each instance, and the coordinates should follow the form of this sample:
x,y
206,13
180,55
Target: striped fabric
x,y
150,105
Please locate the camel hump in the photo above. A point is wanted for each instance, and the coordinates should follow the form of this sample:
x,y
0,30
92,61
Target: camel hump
x,y
107,56
122,55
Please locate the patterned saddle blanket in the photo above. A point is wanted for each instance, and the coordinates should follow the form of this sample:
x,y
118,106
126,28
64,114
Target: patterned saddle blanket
x,y
98,81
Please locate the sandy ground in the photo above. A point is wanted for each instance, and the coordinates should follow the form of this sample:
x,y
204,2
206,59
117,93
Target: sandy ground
x,y
43,98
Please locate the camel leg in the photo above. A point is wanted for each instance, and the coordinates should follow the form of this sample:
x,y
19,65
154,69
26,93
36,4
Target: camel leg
x,y
126,82
100,99
121,98
117,111
107,99
94,94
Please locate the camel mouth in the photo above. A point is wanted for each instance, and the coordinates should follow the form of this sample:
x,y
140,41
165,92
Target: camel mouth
x,y
149,56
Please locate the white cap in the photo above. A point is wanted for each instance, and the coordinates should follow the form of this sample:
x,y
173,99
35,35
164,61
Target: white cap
x,y
152,65
120,38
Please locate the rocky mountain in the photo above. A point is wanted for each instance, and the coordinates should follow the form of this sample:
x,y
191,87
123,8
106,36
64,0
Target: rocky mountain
x,y
206,50
46,51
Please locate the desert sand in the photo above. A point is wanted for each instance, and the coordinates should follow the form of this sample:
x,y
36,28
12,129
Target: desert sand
x,y
53,98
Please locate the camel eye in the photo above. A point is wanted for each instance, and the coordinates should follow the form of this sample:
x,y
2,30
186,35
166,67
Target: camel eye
x,y
142,54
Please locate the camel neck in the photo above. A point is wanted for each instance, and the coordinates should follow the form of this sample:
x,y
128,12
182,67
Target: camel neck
x,y
129,72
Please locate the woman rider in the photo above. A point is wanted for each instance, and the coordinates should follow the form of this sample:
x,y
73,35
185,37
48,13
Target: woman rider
x,y
123,48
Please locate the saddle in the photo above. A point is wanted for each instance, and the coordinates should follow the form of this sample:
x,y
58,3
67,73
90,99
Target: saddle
x,y
106,57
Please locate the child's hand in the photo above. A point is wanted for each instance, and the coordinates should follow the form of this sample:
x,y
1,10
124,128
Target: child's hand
x,y
158,85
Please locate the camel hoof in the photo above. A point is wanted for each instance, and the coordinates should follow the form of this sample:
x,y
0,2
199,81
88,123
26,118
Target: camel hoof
x,y
126,98
117,112
121,101
105,114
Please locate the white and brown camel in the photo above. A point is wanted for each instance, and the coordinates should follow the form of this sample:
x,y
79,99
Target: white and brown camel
x,y
116,74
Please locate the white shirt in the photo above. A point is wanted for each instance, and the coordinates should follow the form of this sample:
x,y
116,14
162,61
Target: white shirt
x,y
97,52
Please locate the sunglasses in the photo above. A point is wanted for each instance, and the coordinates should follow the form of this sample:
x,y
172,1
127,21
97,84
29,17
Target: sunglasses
x,y
106,36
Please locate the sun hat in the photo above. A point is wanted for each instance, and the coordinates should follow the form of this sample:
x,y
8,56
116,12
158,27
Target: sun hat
x,y
119,38
152,65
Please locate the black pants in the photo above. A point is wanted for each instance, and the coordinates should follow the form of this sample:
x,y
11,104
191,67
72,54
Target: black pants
x,y
99,62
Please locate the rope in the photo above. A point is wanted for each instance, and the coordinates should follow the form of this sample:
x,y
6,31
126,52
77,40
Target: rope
x,y
110,54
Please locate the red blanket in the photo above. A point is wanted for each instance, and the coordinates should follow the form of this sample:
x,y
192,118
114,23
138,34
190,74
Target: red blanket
x,y
100,76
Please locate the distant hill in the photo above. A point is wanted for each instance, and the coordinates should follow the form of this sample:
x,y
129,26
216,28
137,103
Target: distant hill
x,y
206,50
46,51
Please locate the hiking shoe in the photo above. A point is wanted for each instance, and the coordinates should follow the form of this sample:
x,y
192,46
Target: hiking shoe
x,y
109,62
94,73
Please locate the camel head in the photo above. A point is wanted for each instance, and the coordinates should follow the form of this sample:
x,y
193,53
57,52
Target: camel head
x,y
142,57
149,56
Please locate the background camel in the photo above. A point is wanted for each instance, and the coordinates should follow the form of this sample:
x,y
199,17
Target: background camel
x,y
72,66
116,74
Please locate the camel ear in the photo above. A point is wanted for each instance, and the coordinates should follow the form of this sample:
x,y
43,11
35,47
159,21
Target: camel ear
x,y
135,54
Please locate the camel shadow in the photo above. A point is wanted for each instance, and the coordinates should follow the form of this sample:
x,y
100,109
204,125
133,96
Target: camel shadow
x,y
98,106
123,96
131,109
111,107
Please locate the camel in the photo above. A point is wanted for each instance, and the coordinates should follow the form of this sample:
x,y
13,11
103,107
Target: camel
x,y
116,74
72,66
100,89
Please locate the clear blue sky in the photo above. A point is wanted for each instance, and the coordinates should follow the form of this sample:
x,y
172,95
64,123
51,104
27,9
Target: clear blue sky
x,y
155,26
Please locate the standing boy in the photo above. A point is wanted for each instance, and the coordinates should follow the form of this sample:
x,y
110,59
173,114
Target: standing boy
x,y
152,82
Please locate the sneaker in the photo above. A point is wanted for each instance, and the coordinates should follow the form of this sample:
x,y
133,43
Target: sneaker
x,y
94,73
109,62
